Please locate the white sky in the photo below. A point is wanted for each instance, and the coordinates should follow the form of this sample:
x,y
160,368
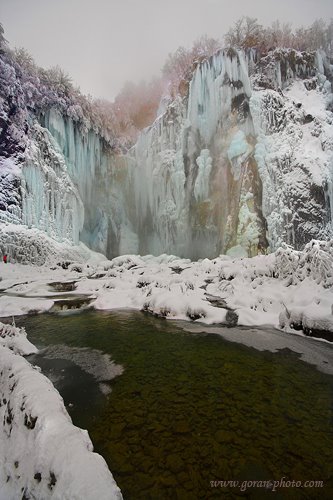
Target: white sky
x,y
104,43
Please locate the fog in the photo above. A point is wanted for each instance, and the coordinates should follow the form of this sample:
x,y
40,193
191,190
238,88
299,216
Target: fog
x,y
104,43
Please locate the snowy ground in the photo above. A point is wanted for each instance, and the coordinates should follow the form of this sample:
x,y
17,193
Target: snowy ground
x,y
33,246
43,455
287,288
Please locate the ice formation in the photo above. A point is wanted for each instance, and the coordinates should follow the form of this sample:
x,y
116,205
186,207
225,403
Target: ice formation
x,y
244,162
238,164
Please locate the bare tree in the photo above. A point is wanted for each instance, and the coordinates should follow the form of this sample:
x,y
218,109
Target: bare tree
x,y
234,37
245,33
205,46
317,35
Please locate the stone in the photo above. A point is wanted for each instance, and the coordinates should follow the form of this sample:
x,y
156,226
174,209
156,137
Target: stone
x,y
174,463
181,427
223,436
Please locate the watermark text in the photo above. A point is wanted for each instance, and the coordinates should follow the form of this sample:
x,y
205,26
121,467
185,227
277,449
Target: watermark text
x,y
269,484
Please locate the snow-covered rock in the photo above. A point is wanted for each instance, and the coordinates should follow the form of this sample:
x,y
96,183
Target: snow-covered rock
x,y
262,290
15,339
24,245
43,455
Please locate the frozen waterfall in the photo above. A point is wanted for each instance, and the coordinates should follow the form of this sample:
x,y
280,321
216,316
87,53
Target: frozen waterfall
x,y
239,165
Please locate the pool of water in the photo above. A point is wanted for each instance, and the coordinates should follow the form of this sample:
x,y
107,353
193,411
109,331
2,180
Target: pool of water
x,y
191,408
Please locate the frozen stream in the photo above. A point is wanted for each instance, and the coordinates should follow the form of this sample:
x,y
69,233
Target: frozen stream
x,y
189,407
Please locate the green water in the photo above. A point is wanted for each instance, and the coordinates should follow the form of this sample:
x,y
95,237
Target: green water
x,y
191,409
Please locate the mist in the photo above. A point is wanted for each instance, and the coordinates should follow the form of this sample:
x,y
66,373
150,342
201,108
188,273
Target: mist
x,y
103,44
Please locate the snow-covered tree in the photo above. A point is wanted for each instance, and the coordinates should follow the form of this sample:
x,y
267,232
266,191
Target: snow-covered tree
x,y
3,41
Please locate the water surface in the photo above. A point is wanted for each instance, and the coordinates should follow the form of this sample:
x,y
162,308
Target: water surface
x,y
193,408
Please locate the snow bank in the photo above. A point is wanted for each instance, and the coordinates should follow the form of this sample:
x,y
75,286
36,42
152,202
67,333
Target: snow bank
x,y
16,306
32,246
225,290
43,455
16,340
315,262
255,290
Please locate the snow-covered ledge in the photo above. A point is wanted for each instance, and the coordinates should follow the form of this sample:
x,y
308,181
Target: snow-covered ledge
x,y
43,455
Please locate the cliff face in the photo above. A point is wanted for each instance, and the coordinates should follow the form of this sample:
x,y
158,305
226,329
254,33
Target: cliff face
x,y
240,163
243,162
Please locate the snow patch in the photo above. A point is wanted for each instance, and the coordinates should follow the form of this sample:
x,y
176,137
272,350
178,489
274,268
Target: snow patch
x,y
43,454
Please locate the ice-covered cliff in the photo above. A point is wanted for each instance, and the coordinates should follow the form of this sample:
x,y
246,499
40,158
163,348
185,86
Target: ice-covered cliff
x,y
243,162
239,162
64,183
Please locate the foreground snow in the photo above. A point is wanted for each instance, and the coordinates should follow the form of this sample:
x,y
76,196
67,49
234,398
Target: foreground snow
x,y
286,288
43,455
33,246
